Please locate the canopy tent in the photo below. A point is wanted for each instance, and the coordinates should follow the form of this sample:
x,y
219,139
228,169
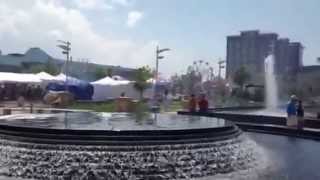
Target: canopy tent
x,y
70,80
6,77
110,81
46,77
118,78
82,90
108,88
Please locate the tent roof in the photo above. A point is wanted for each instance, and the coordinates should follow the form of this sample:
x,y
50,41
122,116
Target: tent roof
x,y
19,77
109,81
47,77
71,80
118,78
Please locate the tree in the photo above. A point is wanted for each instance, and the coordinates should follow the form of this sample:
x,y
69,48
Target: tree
x,y
100,73
192,81
49,67
109,72
34,69
176,84
241,76
141,76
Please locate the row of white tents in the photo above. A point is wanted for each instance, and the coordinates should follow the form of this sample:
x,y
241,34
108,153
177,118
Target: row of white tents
x,y
42,77
104,89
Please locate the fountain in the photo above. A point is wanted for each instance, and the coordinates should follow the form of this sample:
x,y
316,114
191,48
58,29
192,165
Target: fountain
x,y
89,145
271,89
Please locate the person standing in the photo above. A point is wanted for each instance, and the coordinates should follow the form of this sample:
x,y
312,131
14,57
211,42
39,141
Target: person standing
x,y
292,112
300,114
203,103
192,106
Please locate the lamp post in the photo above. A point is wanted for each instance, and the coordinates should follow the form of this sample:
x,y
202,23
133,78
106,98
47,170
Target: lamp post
x,y
65,46
158,57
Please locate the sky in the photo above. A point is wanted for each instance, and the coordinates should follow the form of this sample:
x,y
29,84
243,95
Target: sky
x,y
126,32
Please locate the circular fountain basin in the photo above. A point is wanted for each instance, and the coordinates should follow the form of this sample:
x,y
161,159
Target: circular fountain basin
x,y
120,146
88,128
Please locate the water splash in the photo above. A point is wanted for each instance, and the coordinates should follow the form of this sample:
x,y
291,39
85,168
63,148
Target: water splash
x,y
270,84
180,161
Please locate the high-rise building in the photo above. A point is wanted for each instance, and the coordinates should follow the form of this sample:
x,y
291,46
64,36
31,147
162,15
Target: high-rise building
x,y
250,48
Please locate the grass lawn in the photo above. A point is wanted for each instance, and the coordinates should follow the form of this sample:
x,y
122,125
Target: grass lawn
x,y
176,106
110,106
94,106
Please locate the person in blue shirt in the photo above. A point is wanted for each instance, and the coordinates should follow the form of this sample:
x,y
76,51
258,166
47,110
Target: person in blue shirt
x,y
292,112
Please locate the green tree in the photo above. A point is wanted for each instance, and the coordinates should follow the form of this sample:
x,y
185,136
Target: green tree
x,y
51,68
141,76
35,69
241,76
109,72
191,81
100,73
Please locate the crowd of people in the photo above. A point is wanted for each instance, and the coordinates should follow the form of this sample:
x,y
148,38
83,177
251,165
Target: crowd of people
x,y
295,113
11,92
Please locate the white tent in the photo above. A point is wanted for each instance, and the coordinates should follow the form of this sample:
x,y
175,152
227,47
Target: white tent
x,y
118,78
108,88
71,80
109,81
47,77
6,77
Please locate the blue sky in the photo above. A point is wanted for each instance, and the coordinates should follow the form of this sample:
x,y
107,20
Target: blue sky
x,y
194,29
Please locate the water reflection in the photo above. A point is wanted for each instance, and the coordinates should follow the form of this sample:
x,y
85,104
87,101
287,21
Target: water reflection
x,y
112,121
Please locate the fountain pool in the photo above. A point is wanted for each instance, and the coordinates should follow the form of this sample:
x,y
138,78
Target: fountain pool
x,y
88,145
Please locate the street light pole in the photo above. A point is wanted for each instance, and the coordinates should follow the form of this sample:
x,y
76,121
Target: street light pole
x,y
65,46
158,57
221,66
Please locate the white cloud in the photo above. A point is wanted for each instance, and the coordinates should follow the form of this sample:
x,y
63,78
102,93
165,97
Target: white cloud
x,y
121,2
40,23
133,18
57,34
92,4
